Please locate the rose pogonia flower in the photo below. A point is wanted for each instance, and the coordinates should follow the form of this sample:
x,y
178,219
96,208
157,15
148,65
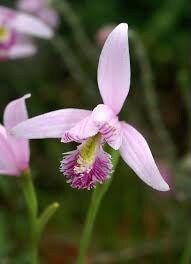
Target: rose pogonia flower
x,y
89,164
14,153
15,29
41,9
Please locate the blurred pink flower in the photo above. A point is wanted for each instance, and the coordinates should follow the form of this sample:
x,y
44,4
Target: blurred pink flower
x,y
14,153
89,163
15,27
41,9
103,33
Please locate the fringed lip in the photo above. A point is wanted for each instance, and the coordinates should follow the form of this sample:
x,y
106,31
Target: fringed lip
x,y
97,172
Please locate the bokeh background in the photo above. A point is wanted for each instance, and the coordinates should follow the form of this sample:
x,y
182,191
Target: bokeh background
x,y
135,224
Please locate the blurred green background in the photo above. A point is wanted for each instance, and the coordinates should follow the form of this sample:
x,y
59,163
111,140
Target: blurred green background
x,y
135,224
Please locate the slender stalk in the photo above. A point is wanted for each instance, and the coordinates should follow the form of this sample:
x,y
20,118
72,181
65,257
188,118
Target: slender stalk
x,y
95,202
186,256
36,225
150,95
46,215
32,206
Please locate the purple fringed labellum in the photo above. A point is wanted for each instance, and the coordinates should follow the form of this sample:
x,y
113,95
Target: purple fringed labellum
x,y
87,165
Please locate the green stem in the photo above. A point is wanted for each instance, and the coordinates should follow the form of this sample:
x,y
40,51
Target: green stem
x,y
95,202
46,215
186,256
36,225
32,205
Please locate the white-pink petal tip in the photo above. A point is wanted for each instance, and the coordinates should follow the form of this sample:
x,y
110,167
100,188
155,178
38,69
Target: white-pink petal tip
x,y
26,96
164,187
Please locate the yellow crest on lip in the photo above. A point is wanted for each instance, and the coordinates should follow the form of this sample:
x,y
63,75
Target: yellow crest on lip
x,y
4,34
87,153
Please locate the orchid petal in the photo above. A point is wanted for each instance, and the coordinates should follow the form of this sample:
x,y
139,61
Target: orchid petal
x,y
50,125
8,172
29,5
3,131
7,159
23,47
41,9
102,113
21,150
31,25
136,153
15,113
21,51
6,15
111,131
108,125
49,16
114,68
84,129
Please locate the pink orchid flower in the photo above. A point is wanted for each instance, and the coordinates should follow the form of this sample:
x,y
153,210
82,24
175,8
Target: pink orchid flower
x,y
15,29
41,9
89,163
14,153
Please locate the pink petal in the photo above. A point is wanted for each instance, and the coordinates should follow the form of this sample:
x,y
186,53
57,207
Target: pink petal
x,y
15,113
103,120
50,125
49,16
29,5
111,131
31,25
6,15
21,51
102,113
8,172
3,131
108,125
7,160
41,9
114,68
82,130
21,150
136,153
19,46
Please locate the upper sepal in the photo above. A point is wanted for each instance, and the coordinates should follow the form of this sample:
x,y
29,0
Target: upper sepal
x,y
114,68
